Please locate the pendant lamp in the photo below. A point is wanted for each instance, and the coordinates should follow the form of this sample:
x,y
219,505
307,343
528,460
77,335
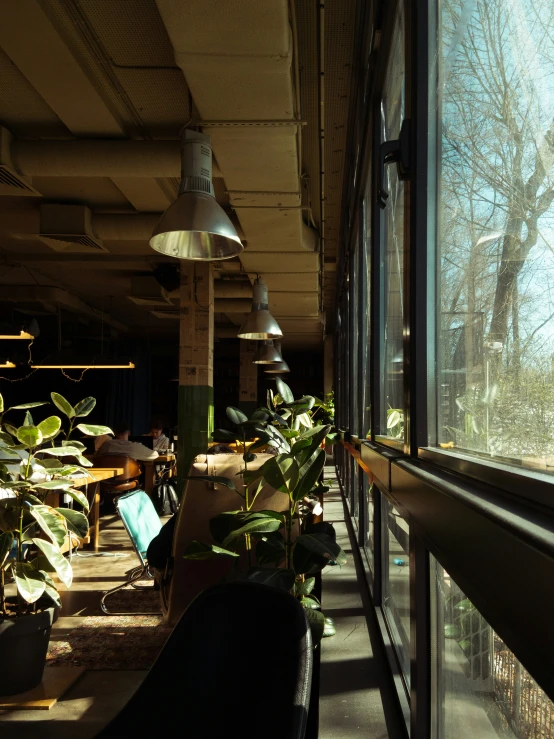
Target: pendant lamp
x,y
259,323
278,368
267,353
195,226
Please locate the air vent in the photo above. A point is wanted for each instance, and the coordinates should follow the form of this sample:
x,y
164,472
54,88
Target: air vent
x,y
75,243
12,183
68,228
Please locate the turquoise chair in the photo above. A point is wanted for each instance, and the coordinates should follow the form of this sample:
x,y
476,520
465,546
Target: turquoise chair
x,y
142,523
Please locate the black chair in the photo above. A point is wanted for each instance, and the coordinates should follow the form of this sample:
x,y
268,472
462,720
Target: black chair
x,y
238,663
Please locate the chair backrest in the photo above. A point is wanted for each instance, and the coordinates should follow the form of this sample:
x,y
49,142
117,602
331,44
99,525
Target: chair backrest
x,y
131,468
140,519
235,640
200,503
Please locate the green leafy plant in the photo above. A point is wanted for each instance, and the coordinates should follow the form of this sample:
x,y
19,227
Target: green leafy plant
x,y
288,549
32,533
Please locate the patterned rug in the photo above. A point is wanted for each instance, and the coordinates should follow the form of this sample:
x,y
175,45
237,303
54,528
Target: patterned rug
x,y
113,642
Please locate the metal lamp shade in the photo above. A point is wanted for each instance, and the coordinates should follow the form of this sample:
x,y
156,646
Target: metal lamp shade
x,y
196,227
267,354
259,323
280,367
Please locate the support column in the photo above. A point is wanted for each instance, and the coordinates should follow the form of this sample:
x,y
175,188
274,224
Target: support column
x,y
248,380
328,364
196,348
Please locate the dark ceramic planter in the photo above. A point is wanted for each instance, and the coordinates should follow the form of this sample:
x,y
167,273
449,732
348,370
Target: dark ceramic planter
x,y
23,648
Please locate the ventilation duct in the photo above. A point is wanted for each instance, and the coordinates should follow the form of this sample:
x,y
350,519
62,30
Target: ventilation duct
x,y
11,183
68,228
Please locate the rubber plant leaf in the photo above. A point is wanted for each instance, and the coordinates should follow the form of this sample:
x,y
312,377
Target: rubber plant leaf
x,y
56,560
30,582
63,405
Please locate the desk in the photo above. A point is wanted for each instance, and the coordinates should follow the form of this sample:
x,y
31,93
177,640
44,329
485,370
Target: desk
x,y
150,469
93,495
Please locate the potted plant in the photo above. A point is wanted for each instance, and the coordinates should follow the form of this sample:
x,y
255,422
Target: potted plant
x,y
280,548
32,533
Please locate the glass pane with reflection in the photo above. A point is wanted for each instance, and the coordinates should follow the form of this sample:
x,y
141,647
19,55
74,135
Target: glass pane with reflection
x,y
480,689
494,94
396,581
392,115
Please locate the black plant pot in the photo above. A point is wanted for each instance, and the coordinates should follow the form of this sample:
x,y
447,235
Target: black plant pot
x,y
23,649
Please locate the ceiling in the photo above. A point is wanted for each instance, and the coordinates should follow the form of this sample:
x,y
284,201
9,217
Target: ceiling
x,y
93,95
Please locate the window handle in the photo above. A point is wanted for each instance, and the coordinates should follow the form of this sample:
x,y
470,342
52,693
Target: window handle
x,y
397,151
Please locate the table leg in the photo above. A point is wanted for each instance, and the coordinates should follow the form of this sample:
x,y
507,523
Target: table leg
x,y
94,515
149,475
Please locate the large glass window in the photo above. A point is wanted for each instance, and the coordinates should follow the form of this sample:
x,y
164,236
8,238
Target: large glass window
x,y
396,581
495,212
392,228
480,688
365,312
369,492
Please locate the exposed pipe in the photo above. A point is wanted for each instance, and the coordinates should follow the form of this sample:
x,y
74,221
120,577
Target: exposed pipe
x,y
98,158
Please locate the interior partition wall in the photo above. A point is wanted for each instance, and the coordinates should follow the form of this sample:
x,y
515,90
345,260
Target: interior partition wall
x,y
445,358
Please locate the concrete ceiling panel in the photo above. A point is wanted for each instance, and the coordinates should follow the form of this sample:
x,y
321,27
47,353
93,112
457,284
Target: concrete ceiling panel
x,y
229,48
293,304
280,262
257,159
33,44
272,227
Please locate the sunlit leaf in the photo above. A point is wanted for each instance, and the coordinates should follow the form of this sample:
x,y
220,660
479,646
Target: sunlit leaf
x,y
29,435
76,521
84,407
50,426
50,522
93,430
284,390
63,405
24,406
310,473
56,560
30,583
62,451
54,485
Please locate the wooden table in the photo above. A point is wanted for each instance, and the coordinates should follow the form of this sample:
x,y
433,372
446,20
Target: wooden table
x,y
93,495
150,469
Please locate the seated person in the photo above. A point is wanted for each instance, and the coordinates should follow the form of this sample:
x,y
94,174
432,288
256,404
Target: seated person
x,y
122,446
161,442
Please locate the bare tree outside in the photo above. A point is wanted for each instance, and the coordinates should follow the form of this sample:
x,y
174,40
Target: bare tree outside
x,y
495,199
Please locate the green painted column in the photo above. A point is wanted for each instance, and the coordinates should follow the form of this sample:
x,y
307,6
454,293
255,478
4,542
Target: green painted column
x,y
248,377
196,342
